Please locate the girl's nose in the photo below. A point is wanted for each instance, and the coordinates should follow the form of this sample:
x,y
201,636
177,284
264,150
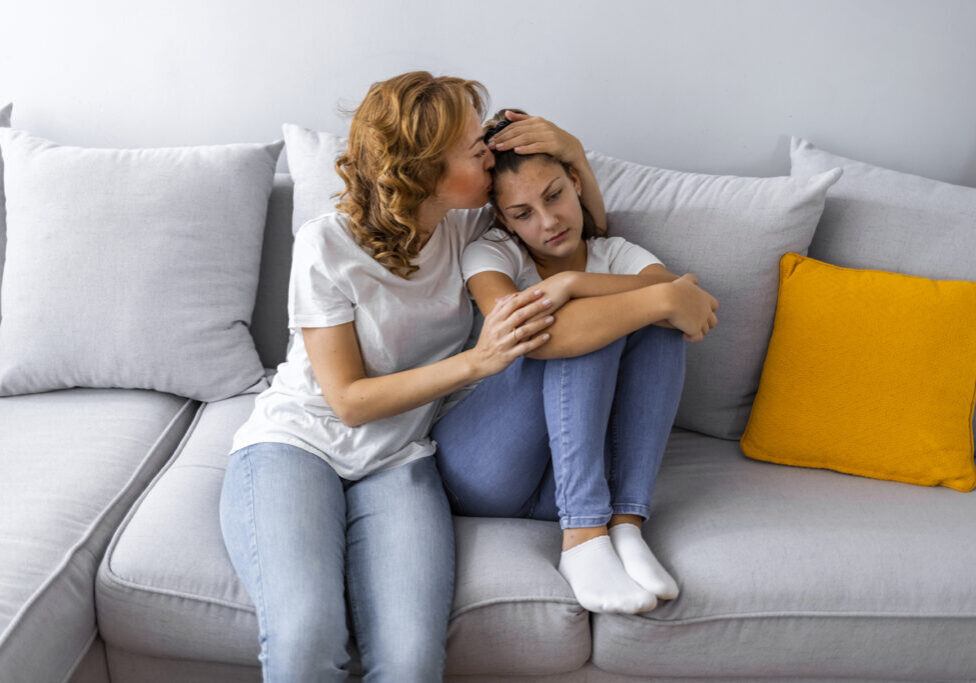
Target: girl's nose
x,y
548,219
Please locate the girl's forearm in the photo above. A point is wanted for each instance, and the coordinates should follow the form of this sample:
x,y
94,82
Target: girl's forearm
x,y
600,284
587,324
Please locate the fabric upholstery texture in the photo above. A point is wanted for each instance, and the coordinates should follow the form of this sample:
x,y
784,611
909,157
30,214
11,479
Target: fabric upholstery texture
x,y
899,222
311,162
869,373
513,612
4,123
793,572
72,463
269,323
730,232
132,268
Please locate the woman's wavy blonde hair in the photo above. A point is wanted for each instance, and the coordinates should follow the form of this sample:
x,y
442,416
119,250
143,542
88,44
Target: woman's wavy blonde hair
x,y
397,152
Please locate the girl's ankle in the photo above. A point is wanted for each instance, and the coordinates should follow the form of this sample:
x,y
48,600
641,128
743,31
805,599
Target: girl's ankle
x,y
636,520
574,537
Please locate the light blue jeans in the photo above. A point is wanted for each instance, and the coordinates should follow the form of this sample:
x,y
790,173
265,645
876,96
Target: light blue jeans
x,y
298,535
575,439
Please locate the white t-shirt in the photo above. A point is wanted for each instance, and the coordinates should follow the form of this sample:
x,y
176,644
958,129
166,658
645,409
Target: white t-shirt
x,y
496,251
400,324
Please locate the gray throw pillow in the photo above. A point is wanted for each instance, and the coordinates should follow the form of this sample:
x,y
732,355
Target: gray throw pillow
x,y
4,123
730,232
311,162
887,220
132,268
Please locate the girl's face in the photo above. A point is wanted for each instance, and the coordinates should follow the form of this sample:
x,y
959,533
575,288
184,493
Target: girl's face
x,y
540,203
466,180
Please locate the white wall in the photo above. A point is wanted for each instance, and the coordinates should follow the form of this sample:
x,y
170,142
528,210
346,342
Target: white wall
x,y
705,85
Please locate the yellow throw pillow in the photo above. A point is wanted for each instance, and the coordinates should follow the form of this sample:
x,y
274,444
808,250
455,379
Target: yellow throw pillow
x,y
869,373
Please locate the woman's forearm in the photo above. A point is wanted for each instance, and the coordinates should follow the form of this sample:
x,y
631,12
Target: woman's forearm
x,y
586,324
375,398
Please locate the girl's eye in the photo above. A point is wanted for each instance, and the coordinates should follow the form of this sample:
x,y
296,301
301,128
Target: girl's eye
x,y
522,215
555,195
481,153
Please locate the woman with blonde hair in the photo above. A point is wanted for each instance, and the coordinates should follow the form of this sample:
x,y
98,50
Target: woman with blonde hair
x,y
330,485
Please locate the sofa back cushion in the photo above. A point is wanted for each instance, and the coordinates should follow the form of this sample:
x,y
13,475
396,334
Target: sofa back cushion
x,y
882,219
132,268
4,123
731,232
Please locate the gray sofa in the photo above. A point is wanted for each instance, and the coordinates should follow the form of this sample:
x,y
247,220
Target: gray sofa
x,y
113,567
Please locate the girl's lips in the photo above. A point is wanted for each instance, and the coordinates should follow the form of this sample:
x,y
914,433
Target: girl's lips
x,y
558,238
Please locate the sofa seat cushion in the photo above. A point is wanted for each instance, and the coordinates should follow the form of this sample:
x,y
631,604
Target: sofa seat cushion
x,y
71,464
789,571
166,588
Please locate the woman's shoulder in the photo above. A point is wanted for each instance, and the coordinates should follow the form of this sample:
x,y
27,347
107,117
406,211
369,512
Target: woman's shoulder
x,y
331,230
469,224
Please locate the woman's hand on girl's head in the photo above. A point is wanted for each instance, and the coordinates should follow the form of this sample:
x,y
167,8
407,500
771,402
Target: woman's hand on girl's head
x,y
535,135
513,328
693,308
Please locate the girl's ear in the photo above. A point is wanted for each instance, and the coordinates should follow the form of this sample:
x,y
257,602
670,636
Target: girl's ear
x,y
574,176
501,219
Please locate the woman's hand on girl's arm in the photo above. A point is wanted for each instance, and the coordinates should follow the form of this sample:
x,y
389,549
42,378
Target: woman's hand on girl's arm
x,y
337,363
535,135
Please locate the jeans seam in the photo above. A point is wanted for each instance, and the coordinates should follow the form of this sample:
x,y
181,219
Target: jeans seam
x,y
255,557
631,509
563,370
585,520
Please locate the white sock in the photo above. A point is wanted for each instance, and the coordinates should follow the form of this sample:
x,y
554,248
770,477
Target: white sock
x,y
640,563
599,580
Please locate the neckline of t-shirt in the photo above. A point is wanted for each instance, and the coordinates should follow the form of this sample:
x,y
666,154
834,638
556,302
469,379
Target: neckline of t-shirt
x,y
428,248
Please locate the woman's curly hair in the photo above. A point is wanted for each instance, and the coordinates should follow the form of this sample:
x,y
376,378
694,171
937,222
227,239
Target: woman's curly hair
x,y
398,143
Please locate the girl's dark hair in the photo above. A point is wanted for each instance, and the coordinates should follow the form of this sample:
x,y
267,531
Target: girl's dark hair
x,y
507,161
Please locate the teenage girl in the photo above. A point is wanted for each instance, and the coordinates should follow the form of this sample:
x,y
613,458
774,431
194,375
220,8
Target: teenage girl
x,y
576,429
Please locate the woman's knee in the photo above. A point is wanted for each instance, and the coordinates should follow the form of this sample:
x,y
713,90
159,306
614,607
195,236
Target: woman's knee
x,y
411,656
306,644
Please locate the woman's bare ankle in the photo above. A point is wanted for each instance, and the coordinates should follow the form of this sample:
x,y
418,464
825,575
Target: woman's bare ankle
x,y
636,520
573,537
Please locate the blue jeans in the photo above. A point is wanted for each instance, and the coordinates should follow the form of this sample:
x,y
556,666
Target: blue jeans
x,y
298,535
577,439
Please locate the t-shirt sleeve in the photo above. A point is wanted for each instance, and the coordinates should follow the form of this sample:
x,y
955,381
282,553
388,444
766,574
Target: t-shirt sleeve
x,y
314,300
489,254
627,258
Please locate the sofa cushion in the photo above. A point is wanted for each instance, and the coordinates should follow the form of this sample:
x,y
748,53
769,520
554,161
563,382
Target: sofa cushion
x,y
72,464
799,572
132,268
167,588
4,123
269,323
870,373
878,218
311,162
731,232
